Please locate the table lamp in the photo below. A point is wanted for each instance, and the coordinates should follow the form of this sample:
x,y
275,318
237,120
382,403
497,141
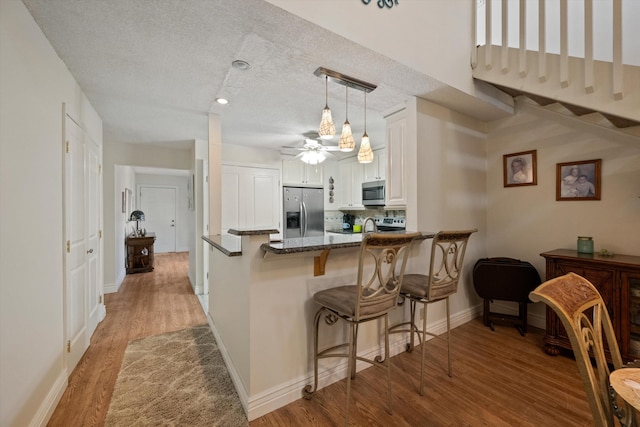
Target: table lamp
x,y
137,216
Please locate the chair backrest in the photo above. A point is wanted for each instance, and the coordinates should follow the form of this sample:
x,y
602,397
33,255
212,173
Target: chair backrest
x,y
583,313
378,291
445,266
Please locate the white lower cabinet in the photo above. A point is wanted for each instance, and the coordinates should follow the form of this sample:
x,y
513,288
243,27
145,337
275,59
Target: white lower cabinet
x,y
350,184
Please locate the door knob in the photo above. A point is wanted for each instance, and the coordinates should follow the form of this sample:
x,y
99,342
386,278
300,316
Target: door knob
x,y
90,251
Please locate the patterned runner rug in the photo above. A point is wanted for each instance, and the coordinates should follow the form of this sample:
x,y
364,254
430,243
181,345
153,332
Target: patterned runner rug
x,y
175,379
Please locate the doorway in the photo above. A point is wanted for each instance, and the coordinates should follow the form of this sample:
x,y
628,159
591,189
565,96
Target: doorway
x,y
159,207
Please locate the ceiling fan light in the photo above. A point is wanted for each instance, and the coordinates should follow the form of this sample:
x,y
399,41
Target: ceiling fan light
x,y
346,139
312,157
365,154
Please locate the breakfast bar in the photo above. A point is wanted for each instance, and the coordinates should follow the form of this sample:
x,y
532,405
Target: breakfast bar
x,y
261,309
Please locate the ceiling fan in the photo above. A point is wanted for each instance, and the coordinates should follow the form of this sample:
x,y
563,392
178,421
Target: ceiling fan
x,y
313,151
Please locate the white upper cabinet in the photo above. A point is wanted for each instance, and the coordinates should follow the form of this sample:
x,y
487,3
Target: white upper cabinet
x,y
375,171
250,198
396,185
349,185
296,172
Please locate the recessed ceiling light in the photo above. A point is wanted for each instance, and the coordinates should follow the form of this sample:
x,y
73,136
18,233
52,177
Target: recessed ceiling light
x,y
239,64
222,101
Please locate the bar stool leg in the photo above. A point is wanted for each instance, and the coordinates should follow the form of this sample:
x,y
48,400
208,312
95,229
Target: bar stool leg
x,y
387,362
448,334
310,389
351,368
422,348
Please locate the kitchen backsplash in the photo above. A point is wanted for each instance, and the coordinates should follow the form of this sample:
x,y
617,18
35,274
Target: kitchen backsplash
x,y
333,219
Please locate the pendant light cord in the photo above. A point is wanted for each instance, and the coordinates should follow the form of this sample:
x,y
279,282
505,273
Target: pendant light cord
x,y
365,112
326,91
346,114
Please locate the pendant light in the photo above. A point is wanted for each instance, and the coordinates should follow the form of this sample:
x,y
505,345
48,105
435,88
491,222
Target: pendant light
x,y
365,154
346,139
327,129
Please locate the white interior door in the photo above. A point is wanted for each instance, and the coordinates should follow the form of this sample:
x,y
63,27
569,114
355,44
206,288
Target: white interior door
x,y
159,207
76,308
94,210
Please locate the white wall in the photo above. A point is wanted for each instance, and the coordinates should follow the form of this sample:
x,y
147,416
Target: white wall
x,y
419,29
447,188
249,156
522,222
34,84
124,178
129,155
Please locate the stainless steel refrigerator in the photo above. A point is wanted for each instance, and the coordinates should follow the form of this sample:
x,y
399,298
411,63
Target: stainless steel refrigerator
x,y
303,212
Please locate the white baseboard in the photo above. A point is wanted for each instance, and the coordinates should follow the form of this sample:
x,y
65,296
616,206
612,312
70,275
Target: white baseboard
x,y
285,393
111,288
42,416
235,378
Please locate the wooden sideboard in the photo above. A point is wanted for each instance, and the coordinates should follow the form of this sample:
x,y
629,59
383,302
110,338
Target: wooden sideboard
x,y
617,278
140,253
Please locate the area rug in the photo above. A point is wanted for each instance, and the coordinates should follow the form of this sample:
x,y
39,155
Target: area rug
x,y
175,379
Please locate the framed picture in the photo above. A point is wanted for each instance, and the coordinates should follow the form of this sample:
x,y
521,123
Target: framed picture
x,y
578,180
520,169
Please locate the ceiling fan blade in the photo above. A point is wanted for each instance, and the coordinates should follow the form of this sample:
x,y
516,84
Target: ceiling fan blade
x,y
331,148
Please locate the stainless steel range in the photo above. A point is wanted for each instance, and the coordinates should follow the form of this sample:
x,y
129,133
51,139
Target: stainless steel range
x,y
390,223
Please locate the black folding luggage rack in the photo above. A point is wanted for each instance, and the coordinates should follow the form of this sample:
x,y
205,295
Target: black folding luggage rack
x,y
505,279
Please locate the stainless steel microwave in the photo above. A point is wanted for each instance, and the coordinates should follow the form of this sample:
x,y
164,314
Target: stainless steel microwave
x,y
373,193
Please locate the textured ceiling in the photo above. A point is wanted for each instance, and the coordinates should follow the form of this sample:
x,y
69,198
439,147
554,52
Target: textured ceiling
x,y
152,69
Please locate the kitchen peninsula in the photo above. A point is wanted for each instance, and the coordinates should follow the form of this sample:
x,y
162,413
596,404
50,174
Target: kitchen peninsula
x,y
261,310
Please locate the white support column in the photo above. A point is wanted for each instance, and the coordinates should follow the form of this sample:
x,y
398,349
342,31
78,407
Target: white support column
x,y
588,46
564,44
504,51
522,59
474,31
617,50
488,55
542,42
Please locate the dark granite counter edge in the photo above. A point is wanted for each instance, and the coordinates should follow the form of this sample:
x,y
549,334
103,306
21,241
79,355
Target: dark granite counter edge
x,y
237,232
283,251
216,242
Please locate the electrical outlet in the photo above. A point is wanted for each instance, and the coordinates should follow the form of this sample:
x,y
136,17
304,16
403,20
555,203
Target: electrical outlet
x,y
422,313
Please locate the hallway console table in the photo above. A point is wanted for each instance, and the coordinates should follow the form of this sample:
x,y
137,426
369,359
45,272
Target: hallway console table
x,y
617,278
140,253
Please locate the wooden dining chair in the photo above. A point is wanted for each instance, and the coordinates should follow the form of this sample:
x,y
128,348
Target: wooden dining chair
x,y
584,315
445,268
381,265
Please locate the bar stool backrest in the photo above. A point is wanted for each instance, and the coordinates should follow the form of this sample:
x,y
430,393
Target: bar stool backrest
x,y
447,256
378,288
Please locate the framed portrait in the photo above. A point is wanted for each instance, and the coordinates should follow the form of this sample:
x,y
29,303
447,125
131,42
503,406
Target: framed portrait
x,y
520,169
578,180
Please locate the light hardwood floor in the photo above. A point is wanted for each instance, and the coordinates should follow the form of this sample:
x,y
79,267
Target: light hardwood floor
x,y
499,378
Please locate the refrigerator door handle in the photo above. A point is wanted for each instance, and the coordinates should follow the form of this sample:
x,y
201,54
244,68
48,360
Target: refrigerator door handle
x,y
304,219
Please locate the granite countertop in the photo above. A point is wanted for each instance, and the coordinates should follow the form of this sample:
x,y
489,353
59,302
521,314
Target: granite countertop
x,y
231,244
328,241
226,243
